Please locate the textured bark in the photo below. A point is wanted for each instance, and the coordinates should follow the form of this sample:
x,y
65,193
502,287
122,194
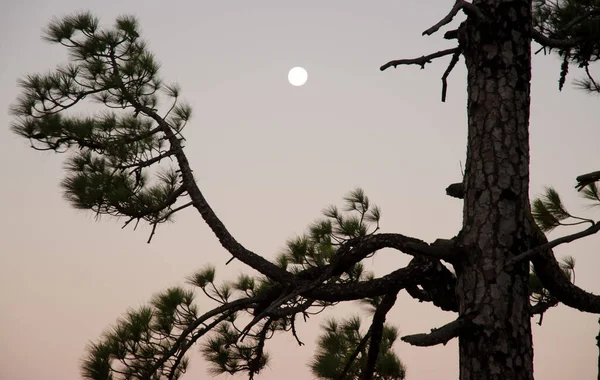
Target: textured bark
x,y
496,218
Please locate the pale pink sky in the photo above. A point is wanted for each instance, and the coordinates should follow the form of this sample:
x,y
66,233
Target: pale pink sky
x,y
269,157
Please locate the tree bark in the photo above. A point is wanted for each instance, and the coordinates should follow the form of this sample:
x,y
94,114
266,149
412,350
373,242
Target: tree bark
x,y
497,222
598,344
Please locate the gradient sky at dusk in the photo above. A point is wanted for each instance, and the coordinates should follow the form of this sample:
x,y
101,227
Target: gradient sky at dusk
x,y
269,157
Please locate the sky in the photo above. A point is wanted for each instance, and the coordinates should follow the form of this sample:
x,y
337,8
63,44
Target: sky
x,y
269,157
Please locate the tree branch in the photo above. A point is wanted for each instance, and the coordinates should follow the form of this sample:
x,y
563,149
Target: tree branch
x,y
558,284
586,179
458,5
357,249
549,245
228,242
376,332
453,62
421,61
456,190
417,271
437,336
546,41
180,343
352,358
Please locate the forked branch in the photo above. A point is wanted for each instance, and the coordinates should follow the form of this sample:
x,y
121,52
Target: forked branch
x,y
458,5
421,61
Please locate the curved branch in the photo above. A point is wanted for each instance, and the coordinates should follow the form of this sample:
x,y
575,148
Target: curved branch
x,y
438,336
357,249
237,250
546,41
417,271
553,278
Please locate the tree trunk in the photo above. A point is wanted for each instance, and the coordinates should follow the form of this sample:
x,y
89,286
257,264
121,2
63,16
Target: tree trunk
x,y
497,222
598,344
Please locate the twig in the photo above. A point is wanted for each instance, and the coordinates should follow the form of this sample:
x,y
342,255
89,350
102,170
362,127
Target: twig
x,y
451,65
421,61
437,336
446,20
545,247
163,218
294,332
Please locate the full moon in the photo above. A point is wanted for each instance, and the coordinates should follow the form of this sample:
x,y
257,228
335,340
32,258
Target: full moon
x,y
297,76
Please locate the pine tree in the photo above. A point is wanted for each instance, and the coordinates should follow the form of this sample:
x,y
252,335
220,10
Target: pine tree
x,y
121,166
342,352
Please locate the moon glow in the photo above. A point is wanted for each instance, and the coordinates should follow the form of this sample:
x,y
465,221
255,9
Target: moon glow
x,y
297,76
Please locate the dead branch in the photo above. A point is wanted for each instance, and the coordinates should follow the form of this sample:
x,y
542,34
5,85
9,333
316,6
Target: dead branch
x,y
458,5
437,336
451,65
421,61
456,190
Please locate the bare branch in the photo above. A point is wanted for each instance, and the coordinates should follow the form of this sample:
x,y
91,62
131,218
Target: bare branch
x,y
549,245
451,65
458,5
421,61
438,336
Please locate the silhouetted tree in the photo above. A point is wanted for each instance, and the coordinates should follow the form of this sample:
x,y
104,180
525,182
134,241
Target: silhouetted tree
x,y
117,168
